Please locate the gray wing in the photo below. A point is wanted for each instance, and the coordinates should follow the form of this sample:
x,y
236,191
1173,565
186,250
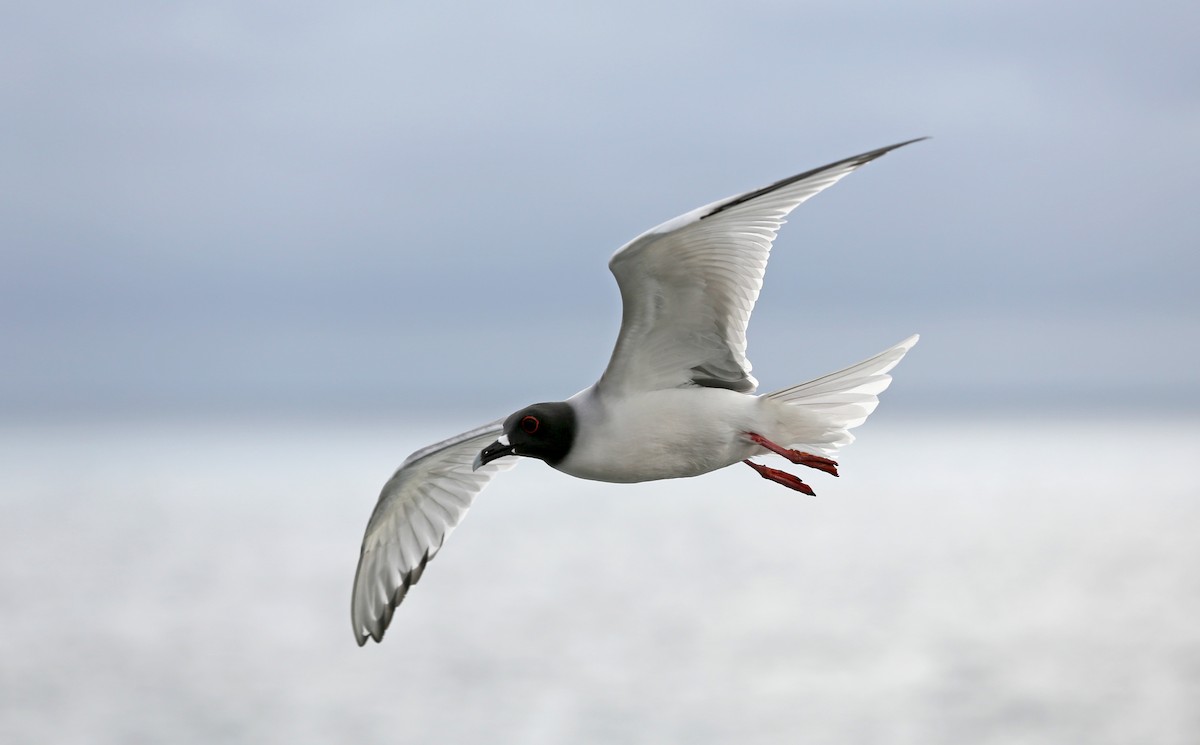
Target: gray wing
x,y
688,286
419,506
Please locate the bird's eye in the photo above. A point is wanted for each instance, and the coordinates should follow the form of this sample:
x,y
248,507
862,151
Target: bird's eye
x,y
530,424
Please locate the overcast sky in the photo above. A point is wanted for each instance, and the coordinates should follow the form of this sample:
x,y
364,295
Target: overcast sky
x,y
387,208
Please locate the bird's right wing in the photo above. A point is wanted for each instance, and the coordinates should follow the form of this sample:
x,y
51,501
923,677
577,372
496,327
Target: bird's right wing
x,y
688,286
419,506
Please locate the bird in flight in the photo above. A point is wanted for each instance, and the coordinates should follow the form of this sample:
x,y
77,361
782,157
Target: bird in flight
x,y
677,399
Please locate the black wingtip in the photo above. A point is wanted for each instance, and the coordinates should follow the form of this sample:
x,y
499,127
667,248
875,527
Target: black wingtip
x,y
866,157
885,150
407,580
853,160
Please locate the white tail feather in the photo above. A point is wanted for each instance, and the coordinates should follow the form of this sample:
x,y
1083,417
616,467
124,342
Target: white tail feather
x,y
835,403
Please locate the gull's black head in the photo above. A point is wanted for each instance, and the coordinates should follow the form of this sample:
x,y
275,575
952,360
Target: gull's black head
x,y
543,431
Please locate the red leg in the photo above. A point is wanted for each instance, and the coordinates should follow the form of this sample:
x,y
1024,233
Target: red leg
x,y
782,477
800,458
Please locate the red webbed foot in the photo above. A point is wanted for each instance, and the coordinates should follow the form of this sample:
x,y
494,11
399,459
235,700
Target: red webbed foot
x,y
798,457
782,477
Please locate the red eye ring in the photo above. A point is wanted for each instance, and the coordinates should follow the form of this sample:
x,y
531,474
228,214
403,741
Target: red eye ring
x,y
530,424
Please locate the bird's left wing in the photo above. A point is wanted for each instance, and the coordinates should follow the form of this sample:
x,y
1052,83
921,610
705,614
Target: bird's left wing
x,y
688,286
419,506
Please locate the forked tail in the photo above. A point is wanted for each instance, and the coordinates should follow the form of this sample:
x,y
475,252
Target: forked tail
x,y
833,404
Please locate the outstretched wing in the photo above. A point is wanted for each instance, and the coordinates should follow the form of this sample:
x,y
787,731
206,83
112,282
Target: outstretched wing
x,y
419,506
688,286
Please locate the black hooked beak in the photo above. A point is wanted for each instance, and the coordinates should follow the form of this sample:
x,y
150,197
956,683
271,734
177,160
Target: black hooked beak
x,y
497,449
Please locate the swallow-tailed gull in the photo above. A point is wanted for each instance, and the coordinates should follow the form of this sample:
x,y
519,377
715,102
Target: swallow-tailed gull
x,y
676,399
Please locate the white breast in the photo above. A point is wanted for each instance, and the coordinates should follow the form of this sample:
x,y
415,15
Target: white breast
x,y
663,434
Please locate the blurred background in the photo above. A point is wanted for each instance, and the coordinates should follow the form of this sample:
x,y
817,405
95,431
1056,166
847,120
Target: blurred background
x,y
252,254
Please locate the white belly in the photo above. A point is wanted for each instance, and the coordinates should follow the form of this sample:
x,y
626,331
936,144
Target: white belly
x,y
662,434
